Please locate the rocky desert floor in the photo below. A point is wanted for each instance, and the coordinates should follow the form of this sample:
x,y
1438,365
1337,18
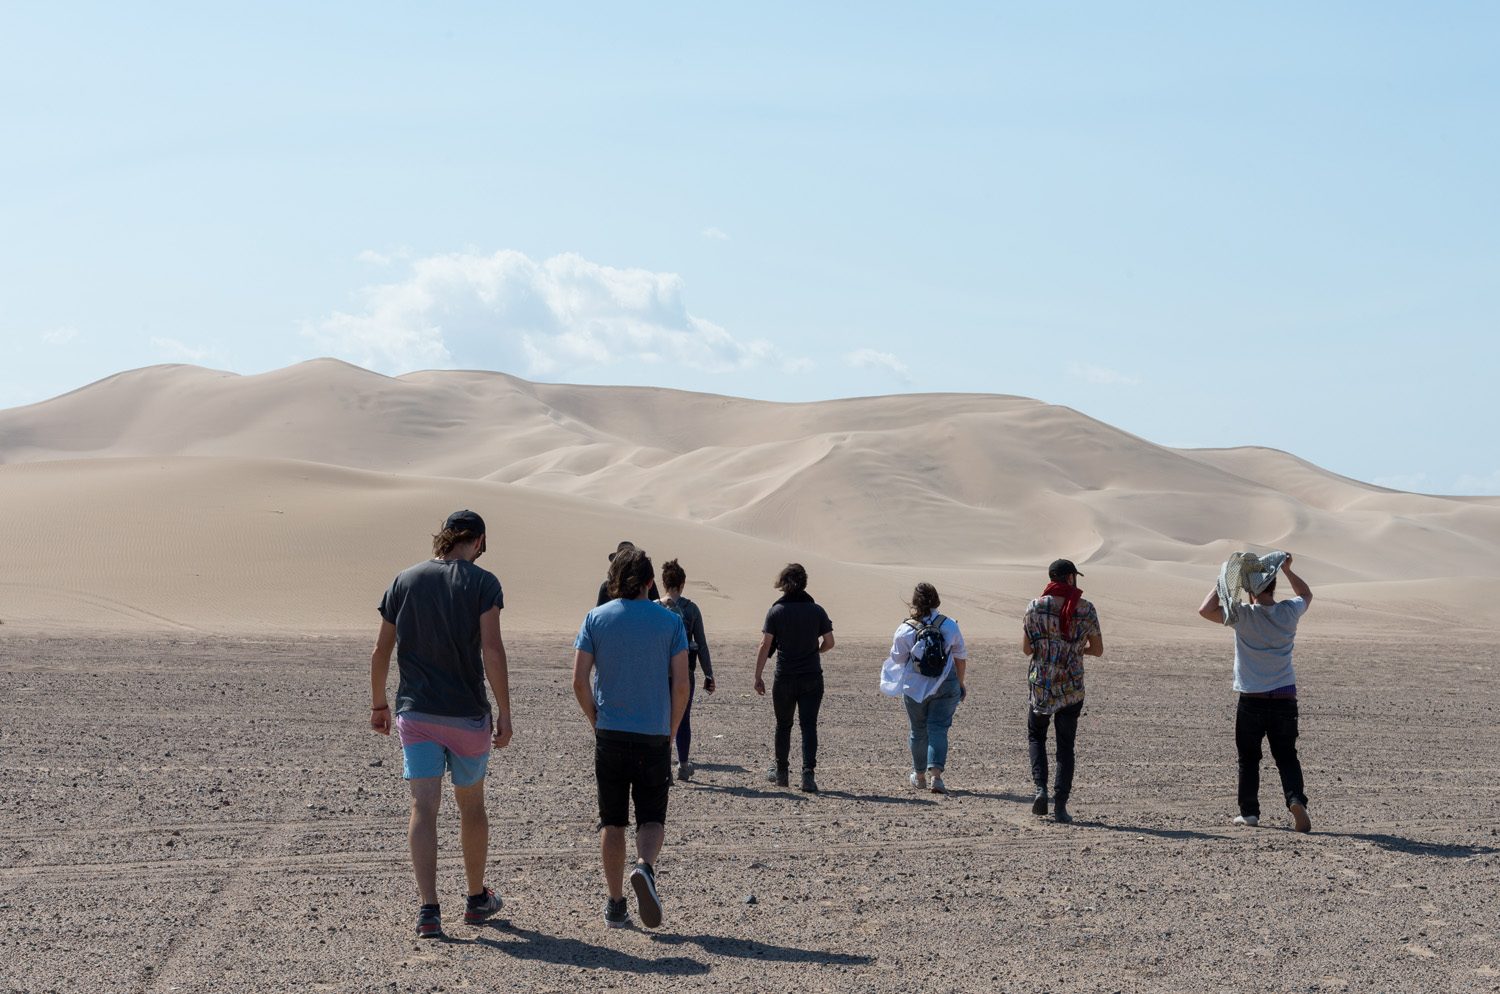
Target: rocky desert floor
x,y
212,814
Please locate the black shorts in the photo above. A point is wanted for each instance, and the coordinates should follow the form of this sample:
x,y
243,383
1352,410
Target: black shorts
x,y
627,764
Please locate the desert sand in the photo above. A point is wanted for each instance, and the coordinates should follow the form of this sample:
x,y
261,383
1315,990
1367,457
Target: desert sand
x,y
189,566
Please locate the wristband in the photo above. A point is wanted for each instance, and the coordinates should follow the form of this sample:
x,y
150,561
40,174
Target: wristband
x,y
383,707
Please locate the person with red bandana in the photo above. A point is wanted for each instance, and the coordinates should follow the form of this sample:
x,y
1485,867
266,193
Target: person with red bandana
x,y
1060,628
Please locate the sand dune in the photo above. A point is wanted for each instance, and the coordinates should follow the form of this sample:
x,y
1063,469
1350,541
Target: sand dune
x,y
209,499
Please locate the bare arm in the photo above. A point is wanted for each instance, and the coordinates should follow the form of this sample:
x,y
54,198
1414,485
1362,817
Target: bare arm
x,y
1211,610
825,642
1094,646
583,665
496,670
681,688
1025,642
1299,586
380,671
760,662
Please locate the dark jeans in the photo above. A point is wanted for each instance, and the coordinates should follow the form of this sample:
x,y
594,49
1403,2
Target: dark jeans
x,y
1273,719
685,729
802,694
1036,739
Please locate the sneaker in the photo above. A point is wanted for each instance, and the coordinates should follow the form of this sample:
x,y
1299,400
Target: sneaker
x,y
1039,803
917,780
684,771
778,776
481,906
1060,813
938,787
1300,821
809,785
643,879
616,913
1247,821
429,922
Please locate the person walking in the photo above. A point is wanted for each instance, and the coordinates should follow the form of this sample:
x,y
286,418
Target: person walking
x,y
604,594
1265,630
1059,629
799,632
630,676
926,670
442,620
674,579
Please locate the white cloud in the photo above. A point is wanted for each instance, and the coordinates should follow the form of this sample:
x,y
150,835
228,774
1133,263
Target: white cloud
x,y
871,359
171,348
1100,376
715,234
59,336
507,310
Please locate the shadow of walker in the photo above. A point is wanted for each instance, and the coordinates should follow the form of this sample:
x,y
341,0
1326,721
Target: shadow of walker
x,y
1415,847
543,948
752,949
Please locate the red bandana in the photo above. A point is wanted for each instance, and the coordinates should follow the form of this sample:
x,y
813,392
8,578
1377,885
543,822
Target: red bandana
x,y
1070,595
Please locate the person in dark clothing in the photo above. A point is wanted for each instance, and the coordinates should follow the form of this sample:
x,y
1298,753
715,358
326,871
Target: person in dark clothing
x,y
799,631
604,594
674,578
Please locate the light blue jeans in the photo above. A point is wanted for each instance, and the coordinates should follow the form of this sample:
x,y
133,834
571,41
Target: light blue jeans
x,y
930,721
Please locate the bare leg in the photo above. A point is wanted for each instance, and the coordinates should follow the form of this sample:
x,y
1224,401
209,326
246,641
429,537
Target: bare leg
x,y
648,840
421,834
473,833
612,853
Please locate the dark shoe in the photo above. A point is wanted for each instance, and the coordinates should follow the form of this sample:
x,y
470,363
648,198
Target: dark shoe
x,y
643,879
1039,803
481,906
684,771
1060,812
778,777
616,914
429,922
1300,821
809,785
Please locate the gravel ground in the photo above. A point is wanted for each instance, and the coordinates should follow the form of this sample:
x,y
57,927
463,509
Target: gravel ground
x,y
193,814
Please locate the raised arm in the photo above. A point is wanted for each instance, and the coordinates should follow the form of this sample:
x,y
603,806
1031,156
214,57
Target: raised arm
x,y
1299,585
1211,610
496,670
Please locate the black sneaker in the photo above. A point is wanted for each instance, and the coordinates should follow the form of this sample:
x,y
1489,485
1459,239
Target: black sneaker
x,y
809,785
643,879
1039,803
481,906
684,771
1060,812
616,914
778,776
429,922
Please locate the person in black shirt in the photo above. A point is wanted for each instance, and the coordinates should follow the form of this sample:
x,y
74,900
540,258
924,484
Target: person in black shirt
x,y
799,631
604,597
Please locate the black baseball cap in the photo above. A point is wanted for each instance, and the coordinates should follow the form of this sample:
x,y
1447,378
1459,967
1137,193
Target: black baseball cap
x,y
464,521
1061,569
621,548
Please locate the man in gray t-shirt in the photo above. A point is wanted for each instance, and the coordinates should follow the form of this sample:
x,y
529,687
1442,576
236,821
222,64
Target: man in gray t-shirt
x,y
1264,632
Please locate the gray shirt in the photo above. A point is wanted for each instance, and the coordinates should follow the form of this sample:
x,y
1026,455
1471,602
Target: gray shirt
x,y
435,607
1263,639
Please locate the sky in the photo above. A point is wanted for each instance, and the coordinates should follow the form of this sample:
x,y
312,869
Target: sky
x,y
1208,226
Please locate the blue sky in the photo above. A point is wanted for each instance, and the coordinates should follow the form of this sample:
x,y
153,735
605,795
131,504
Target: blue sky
x,y
1206,226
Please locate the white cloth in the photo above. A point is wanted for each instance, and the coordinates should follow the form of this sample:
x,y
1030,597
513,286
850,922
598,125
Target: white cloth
x,y
1245,572
899,674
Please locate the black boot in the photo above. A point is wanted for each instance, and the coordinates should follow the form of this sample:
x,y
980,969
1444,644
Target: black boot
x,y
809,785
778,776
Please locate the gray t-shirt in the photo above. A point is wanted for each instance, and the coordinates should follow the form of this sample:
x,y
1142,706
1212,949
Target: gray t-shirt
x,y
632,642
436,607
1263,639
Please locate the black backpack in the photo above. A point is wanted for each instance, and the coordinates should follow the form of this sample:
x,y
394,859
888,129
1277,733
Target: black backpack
x,y
929,653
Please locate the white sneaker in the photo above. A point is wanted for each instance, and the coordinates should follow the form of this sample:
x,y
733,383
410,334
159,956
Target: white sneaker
x,y
917,780
1249,821
938,787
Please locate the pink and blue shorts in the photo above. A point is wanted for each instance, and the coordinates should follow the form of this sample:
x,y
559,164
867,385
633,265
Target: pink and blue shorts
x,y
432,744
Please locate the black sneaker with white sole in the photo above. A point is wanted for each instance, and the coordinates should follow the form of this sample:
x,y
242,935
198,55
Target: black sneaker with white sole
x,y
616,914
429,922
647,903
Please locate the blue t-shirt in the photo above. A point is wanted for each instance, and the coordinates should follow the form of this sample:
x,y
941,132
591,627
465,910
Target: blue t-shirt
x,y
1263,639
633,642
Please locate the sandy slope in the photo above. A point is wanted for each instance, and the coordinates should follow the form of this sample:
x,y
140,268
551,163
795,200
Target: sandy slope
x,y
201,498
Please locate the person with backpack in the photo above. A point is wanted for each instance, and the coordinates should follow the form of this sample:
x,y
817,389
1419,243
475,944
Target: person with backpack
x,y
926,670
674,578
1059,629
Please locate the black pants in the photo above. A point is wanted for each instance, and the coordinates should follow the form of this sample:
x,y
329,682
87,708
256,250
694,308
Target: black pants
x,y
626,766
1036,739
1273,719
802,694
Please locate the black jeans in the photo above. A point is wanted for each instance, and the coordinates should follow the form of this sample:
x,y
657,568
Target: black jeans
x,y
1036,739
1273,719
803,694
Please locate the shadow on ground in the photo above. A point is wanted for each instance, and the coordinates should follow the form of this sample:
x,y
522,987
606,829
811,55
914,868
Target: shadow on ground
x,y
751,949
1416,847
540,947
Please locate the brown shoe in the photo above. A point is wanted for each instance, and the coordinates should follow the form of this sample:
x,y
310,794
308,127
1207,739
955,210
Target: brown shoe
x,y
1300,821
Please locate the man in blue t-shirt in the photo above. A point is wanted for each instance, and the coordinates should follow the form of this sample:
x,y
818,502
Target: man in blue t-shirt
x,y
1264,631
630,675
